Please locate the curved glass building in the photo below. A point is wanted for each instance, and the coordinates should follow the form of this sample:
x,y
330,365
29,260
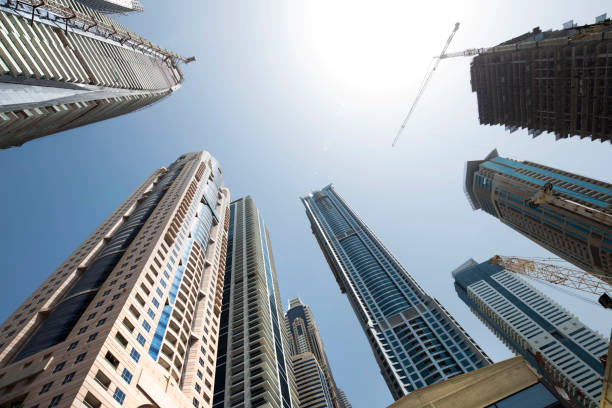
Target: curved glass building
x,y
414,339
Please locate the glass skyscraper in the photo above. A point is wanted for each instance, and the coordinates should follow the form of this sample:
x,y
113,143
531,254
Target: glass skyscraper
x,y
574,221
414,339
254,359
564,351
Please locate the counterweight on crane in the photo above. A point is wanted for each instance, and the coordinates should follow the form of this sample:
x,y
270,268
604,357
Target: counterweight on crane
x,y
428,76
560,275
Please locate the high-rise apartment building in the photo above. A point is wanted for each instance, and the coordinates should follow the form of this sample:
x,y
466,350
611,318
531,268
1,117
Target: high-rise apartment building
x,y
551,81
304,338
568,214
343,401
310,382
564,351
254,360
414,339
131,318
113,6
64,64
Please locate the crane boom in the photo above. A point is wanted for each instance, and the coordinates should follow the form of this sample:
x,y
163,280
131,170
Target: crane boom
x,y
428,76
558,274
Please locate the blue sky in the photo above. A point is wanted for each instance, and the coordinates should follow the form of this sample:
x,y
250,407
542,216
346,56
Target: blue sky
x,y
291,96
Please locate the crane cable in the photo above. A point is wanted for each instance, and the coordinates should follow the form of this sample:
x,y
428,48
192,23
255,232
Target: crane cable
x,y
424,83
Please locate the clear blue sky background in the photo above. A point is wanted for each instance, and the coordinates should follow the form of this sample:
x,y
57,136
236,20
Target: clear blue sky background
x,y
290,96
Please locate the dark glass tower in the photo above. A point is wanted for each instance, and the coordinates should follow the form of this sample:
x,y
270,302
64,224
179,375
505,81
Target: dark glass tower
x,y
414,339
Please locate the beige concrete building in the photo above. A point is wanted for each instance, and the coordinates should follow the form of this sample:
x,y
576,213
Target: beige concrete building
x,y
510,383
65,64
310,381
254,362
305,340
131,318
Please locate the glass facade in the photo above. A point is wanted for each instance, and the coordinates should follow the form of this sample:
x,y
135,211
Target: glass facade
x,y
564,351
414,339
575,224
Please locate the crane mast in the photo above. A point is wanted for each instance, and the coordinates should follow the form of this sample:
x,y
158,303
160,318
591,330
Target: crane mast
x,y
558,274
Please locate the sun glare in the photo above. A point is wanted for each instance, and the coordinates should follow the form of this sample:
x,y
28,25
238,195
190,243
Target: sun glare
x,y
366,44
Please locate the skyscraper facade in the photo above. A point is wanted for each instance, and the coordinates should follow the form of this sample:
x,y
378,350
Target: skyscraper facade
x,y
304,337
551,81
568,214
113,6
254,360
564,351
310,382
414,339
343,401
64,64
131,317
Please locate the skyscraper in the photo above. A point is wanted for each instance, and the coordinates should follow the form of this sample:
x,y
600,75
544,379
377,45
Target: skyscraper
x,y
556,343
304,337
131,317
343,401
113,6
254,361
65,65
414,339
568,214
310,381
551,81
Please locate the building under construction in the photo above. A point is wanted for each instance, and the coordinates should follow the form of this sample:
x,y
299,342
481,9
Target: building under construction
x,y
64,64
555,81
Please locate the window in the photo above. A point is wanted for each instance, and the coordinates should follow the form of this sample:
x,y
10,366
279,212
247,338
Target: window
x,y
112,359
119,396
121,340
140,339
46,388
123,285
102,379
117,296
106,293
72,345
92,337
198,388
196,403
80,358
151,313
135,355
126,375
199,374
100,322
155,302
91,401
68,377
146,325
82,329
99,303
91,316
108,309
112,282
59,367
55,401
159,292
201,362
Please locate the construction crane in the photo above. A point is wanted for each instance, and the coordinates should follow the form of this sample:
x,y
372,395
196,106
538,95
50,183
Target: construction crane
x,y
428,76
548,195
559,274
